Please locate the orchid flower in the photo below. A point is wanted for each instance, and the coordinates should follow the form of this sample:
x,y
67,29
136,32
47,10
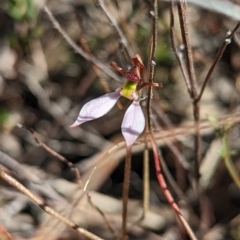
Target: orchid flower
x,y
133,122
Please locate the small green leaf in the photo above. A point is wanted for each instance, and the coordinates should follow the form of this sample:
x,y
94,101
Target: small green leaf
x,y
3,116
21,9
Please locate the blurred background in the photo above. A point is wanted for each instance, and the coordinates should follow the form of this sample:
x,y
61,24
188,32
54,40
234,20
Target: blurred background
x,y
43,85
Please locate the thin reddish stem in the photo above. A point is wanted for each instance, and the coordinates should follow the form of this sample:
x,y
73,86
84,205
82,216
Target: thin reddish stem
x,y
160,85
218,57
126,184
166,192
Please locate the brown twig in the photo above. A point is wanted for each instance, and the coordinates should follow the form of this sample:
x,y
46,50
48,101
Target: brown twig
x,y
179,158
77,48
76,172
160,177
4,234
103,82
114,23
166,192
150,75
118,152
13,182
182,9
159,112
146,180
125,194
175,151
151,61
55,154
194,94
178,53
190,129
86,48
217,58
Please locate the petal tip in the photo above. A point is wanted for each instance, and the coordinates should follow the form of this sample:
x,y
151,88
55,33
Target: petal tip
x,y
96,108
133,123
74,125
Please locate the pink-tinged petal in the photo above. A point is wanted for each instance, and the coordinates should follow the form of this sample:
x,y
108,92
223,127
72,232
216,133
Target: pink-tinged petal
x,y
96,108
133,123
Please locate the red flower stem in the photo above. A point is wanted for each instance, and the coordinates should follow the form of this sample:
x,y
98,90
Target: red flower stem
x,y
147,84
126,183
166,192
117,68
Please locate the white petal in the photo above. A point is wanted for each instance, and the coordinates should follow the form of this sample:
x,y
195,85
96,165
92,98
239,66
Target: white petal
x,y
133,123
96,108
